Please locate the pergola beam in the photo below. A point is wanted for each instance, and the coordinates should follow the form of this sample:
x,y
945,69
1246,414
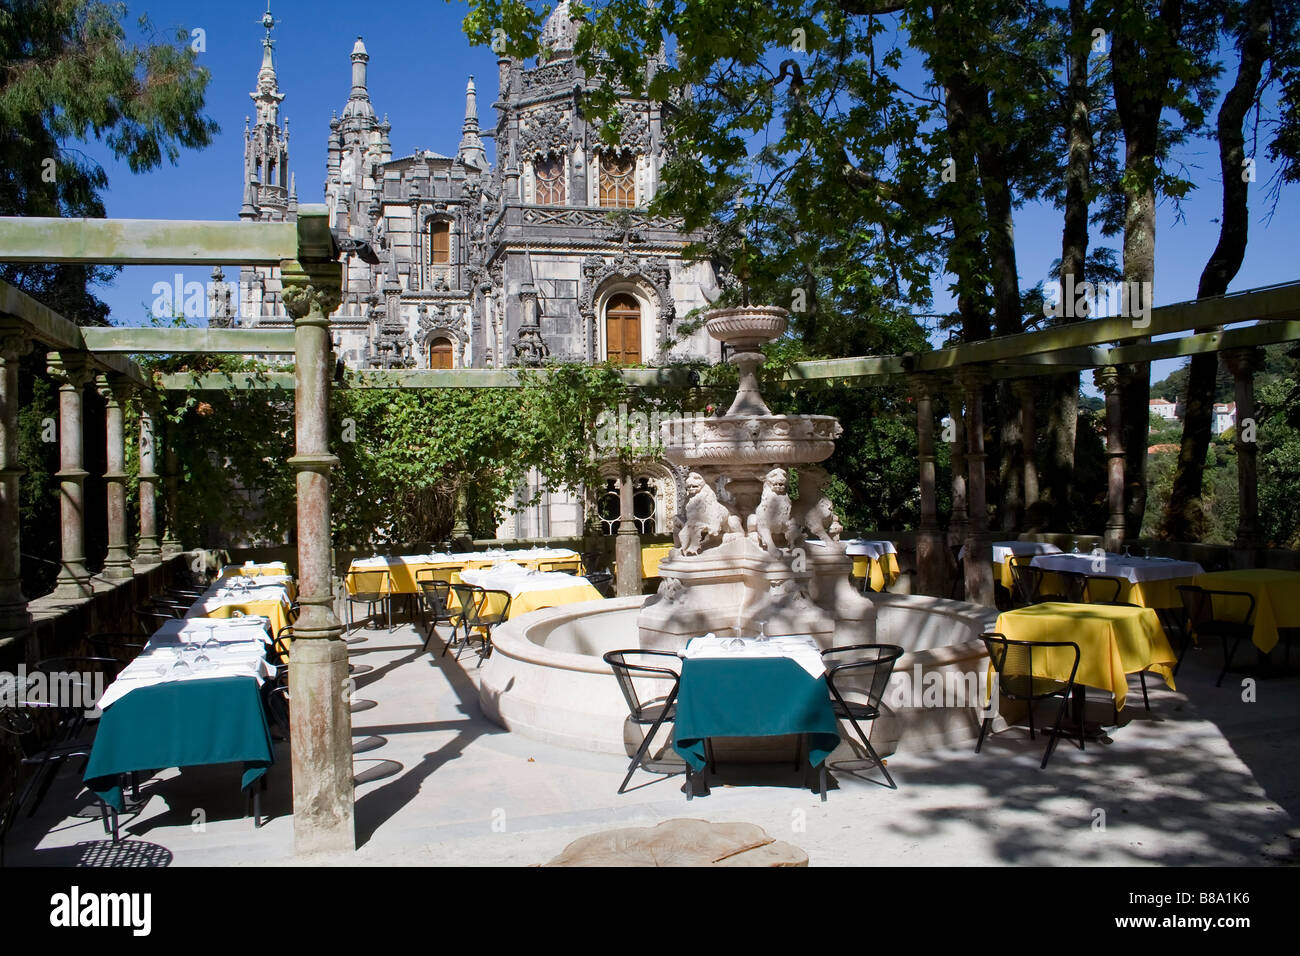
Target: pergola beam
x,y
146,241
182,341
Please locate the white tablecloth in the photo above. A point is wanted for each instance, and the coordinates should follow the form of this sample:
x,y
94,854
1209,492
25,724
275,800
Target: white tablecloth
x,y
221,594
517,580
803,650
871,548
231,656
1111,565
468,557
1005,549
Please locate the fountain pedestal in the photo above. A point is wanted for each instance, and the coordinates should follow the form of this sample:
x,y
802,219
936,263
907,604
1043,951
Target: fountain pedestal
x,y
742,555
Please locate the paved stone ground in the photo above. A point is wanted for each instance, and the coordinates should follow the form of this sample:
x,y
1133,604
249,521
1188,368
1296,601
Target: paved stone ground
x,y
1204,778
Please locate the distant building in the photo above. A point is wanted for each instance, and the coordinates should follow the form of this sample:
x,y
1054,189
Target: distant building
x,y
1225,416
1165,409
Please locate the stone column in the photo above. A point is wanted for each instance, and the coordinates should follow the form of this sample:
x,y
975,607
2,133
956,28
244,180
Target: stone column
x,y
627,543
1024,391
957,524
321,730
115,389
171,542
14,344
979,553
1106,378
72,371
1244,363
930,559
147,552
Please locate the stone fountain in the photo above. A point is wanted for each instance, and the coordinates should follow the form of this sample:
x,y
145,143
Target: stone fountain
x,y
746,555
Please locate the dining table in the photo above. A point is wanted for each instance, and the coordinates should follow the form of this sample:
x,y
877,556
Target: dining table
x,y
246,597
875,560
531,590
401,574
1150,582
1114,642
746,687
191,697
1003,551
1277,599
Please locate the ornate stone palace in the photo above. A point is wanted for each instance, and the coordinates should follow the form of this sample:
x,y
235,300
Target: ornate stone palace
x,y
544,252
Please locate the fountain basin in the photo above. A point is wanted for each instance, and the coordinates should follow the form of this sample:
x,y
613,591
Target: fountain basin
x,y
765,440
546,680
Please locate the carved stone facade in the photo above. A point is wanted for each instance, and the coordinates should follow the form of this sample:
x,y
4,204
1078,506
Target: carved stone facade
x,y
489,263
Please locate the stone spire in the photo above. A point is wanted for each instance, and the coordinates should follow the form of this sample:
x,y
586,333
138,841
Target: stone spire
x,y
471,151
359,105
266,143
559,34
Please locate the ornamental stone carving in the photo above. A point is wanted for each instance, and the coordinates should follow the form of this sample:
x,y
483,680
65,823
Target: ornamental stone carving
x,y
773,520
707,519
652,271
633,133
544,131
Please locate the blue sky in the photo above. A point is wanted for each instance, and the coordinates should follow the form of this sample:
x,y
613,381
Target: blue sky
x,y
419,61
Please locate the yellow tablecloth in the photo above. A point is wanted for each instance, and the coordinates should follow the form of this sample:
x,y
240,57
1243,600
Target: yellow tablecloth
x,y
536,600
274,611
651,555
401,575
255,570
882,571
1113,643
1277,599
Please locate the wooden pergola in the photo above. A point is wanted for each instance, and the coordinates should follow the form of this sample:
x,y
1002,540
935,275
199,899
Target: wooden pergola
x,y
308,255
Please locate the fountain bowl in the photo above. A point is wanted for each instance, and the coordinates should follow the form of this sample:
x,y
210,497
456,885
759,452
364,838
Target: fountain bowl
x,y
747,327
750,439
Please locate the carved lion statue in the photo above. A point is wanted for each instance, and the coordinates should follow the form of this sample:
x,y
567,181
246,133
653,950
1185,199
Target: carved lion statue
x,y
814,511
773,518
707,518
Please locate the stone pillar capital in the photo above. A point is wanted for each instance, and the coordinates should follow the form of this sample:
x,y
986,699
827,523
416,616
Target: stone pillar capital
x,y
1245,361
113,387
1022,388
922,386
15,342
70,369
972,377
1106,378
312,291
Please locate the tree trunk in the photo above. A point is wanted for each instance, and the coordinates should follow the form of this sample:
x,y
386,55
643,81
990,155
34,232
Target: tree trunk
x,y
1184,517
1063,416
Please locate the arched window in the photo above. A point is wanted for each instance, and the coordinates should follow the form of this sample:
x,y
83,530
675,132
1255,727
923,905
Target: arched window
x,y
618,181
549,174
623,330
645,506
440,353
439,242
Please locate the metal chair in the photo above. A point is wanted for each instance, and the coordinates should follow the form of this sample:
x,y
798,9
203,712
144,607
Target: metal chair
x,y
655,711
435,599
369,598
1028,582
1200,621
561,565
1013,661
602,580
869,669
481,610
117,645
150,619
1102,589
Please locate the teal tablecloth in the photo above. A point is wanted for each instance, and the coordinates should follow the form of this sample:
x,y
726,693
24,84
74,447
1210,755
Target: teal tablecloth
x,y
180,724
762,697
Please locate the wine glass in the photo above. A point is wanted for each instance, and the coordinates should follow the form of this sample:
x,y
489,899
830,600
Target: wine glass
x,y
762,633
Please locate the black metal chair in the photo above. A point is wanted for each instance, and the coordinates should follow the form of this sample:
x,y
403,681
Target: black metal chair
x,y
1013,661
595,570
150,619
481,610
1201,621
1103,589
119,646
654,711
864,675
1028,583
561,565
370,598
435,598
958,589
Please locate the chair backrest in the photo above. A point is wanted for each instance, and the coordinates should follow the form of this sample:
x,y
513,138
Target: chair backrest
x,y
495,606
469,599
865,668
280,646
1074,585
1025,579
356,577
151,619
115,644
435,594
434,574
650,666
1200,612
1016,659
1102,589
564,565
